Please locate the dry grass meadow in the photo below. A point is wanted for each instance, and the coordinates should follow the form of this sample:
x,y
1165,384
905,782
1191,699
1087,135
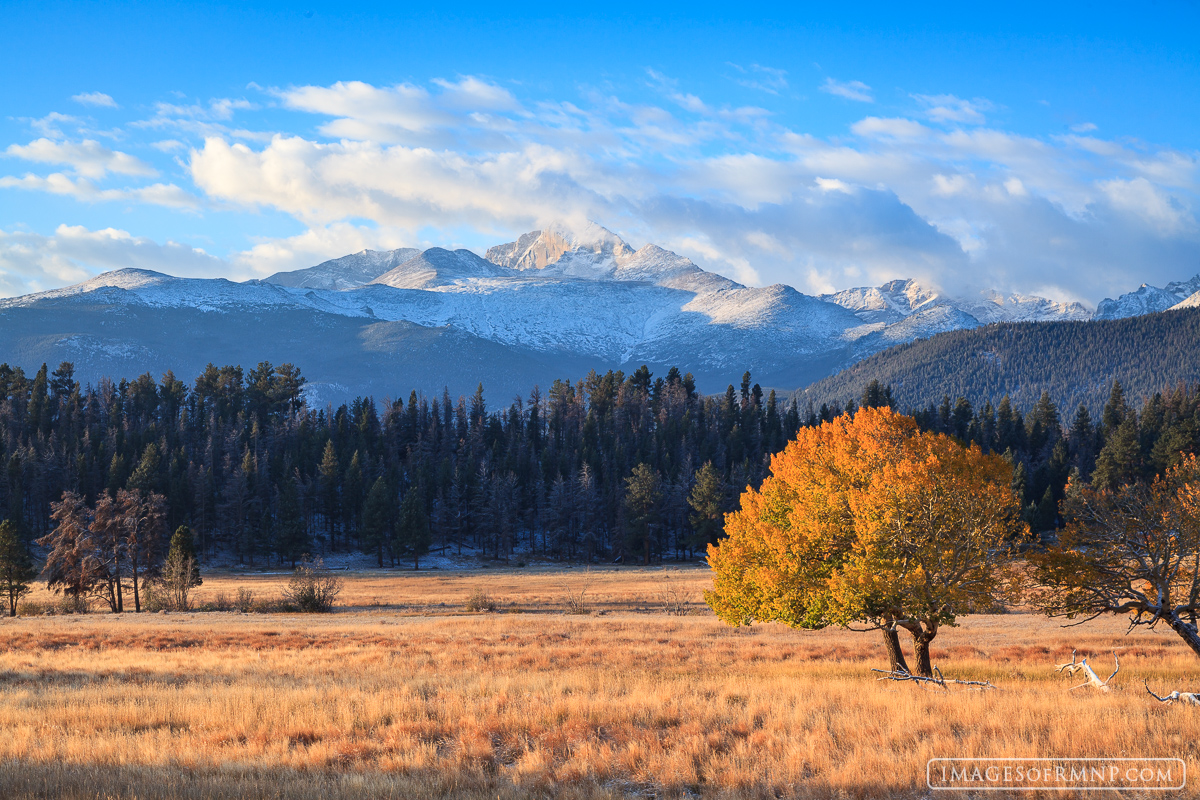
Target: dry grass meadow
x,y
401,692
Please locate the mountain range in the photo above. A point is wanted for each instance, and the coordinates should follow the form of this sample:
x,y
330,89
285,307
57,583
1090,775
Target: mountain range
x,y
555,303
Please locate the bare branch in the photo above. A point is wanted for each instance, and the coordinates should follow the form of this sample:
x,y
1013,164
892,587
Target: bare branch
x,y
938,679
1185,698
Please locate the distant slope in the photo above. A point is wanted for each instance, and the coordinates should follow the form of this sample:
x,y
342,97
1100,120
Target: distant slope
x,y
347,272
1074,361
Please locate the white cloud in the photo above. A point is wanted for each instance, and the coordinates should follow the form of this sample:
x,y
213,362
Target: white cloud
x,y
833,185
902,200
1139,196
950,185
160,194
49,125
765,79
321,244
31,262
948,108
367,113
945,199
890,128
1015,187
95,99
1084,127
87,158
851,90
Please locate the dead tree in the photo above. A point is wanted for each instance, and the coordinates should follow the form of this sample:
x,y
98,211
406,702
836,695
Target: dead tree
x,y
1184,698
937,679
1073,666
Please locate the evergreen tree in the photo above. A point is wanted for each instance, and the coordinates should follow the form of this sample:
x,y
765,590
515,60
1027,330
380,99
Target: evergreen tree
x,y
412,533
145,475
183,548
377,515
707,501
643,494
352,497
293,542
330,481
1120,461
16,567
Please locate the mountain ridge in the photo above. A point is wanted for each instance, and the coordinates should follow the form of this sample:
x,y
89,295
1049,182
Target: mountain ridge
x,y
546,304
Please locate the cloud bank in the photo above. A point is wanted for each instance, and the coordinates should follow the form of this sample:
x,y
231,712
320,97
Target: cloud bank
x,y
934,189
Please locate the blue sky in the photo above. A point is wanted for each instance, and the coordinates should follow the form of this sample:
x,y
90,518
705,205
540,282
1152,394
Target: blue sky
x,y
1030,149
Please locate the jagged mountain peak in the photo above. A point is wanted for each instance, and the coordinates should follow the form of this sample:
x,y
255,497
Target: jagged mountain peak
x,y
901,299
588,250
890,302
1147,299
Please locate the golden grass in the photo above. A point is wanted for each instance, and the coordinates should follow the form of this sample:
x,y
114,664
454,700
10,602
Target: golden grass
x,y
401,696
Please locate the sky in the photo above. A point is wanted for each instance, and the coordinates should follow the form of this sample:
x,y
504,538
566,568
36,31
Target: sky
x,y
1030,149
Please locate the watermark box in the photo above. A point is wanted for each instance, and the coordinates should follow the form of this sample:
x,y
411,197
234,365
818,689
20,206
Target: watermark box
x,y
1077,774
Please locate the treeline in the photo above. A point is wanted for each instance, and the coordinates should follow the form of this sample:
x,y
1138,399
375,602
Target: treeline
x,y
1075,362
615,467
1048,448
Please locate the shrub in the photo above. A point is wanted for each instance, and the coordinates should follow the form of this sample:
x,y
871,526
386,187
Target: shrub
x,y
676,602
244,600
480,600
312,588
155,598
31,608
72,604
576,595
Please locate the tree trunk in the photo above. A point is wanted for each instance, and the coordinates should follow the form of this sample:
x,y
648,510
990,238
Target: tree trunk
x,y
137,598
1185,631
922,636
120,606
891,641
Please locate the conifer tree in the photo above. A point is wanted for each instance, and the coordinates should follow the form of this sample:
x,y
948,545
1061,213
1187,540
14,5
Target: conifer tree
x,y
643,494
330,481
16,566
412,527
293,535
182,548
377,516
707,501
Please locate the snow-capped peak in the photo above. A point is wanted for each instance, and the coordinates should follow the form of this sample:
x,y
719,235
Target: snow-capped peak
x,y
587,251
900,299
891,302
1148,299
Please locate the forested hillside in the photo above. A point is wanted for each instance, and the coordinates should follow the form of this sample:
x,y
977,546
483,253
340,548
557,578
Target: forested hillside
x,y
601,467
613,466
1075,362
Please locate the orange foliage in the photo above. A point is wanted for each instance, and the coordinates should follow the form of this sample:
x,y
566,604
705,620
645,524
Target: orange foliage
x,y
868,520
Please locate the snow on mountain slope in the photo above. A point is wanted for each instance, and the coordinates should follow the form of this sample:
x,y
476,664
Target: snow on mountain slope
x,y
546,306
897,300
889,303
1193,301
1147,299
153,289
347,272
995,307
439,267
